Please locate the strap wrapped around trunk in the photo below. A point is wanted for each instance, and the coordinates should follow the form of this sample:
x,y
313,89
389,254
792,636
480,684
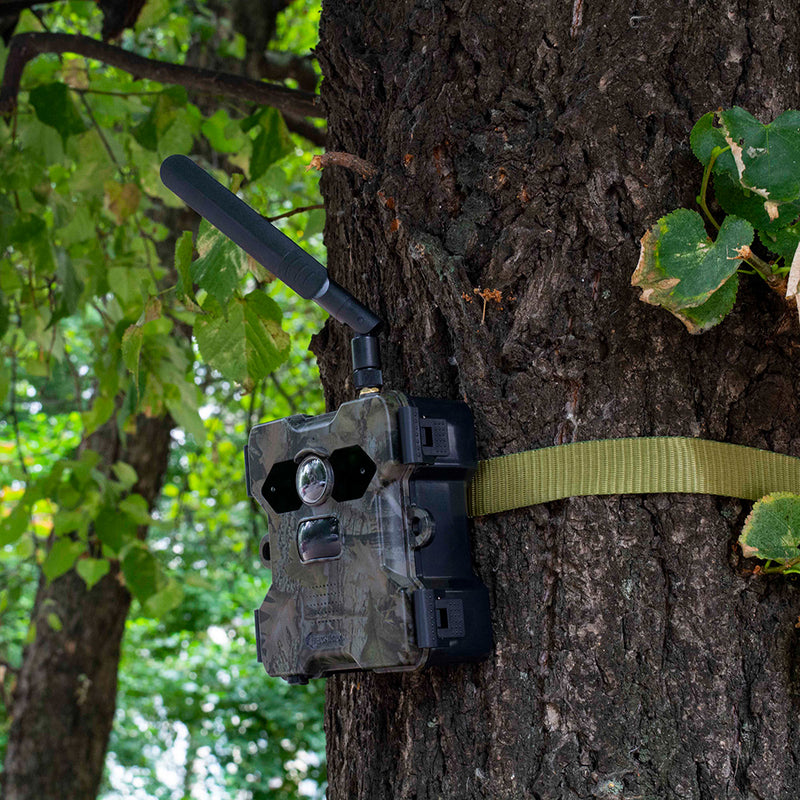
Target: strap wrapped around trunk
x,y
629,466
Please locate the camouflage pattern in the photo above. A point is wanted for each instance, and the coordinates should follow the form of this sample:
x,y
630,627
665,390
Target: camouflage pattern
x,y
353,611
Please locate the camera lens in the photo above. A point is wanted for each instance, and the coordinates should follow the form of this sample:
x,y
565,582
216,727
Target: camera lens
x,y
314,480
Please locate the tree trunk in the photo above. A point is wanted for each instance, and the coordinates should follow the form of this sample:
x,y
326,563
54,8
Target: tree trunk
x,y
66,694
525,147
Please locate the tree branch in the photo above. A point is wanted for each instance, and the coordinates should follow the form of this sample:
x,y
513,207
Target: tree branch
x,y
9,7
26,46
306,129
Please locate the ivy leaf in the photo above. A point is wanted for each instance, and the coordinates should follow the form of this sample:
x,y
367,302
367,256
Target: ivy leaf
x,y
92,570
704,138
772,531
54,107
783,242
748,205
681,268
701,318
767,157
246,342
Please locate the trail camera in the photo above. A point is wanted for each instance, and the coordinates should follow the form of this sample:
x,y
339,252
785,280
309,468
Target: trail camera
x,y
368,542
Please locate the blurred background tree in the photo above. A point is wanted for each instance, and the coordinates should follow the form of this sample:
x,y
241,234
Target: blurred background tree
x,y
134,357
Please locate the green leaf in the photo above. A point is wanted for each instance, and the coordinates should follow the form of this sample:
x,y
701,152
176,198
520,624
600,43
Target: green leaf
x,y
68,521
680,267
767,157
100,412
54,621
772,531
30,235
246,342
160,118
141,571
122,199
80,227
7,217
135,506
125,474
748,205
61,557
224,135
181,400
183,262
16,523
783,242
704,138
54,107
114,528
164,600
92,570
4,318
154,11
272,142
131,349
70,289
221,266
701,318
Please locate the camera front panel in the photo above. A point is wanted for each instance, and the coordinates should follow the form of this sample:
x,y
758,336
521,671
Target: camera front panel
x,y
343,572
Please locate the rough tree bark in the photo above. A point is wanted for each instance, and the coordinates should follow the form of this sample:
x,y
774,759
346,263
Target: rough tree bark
x,y
525,147
65,699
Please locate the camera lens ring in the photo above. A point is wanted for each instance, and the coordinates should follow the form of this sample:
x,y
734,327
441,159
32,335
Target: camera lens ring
x,y
314,481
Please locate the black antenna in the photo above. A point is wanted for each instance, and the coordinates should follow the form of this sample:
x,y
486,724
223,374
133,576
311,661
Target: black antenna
x,y
280,255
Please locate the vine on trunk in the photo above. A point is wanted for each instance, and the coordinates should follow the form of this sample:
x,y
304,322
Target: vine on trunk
x,y
756,171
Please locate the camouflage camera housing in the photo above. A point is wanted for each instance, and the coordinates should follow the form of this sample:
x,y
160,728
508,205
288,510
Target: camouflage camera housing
x,y
368,539
373,570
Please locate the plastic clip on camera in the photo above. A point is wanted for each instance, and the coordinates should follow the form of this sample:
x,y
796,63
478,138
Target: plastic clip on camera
x,y
368,538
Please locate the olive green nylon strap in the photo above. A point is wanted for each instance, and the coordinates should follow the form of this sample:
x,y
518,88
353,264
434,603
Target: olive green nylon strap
x,y
629,466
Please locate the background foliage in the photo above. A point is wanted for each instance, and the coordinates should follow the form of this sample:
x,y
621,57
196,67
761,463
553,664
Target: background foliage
x,y
108,310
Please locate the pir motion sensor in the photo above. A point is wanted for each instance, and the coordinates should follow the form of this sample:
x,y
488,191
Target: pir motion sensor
x,y
368,537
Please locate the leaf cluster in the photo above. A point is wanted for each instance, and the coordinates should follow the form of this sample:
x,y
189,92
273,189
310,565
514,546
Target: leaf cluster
x,y
111,312
756,176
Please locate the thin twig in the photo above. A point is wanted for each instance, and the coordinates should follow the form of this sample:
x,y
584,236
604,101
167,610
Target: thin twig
x,y
12,414
26,46
100,133
283,393
76,380
294,211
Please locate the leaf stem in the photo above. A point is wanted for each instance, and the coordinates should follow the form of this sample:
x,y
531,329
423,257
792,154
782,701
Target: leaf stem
x,y
701,200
